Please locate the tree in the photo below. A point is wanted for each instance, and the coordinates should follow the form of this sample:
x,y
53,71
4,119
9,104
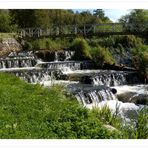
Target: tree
x,y
136,21
5,21
24,18
99,13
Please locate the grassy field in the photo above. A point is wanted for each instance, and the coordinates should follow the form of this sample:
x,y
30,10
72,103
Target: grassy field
x,y
31,111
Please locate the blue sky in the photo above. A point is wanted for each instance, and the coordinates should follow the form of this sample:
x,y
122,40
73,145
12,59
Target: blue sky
x,y
113,14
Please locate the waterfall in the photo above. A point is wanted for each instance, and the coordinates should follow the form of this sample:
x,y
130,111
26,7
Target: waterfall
x,y
17,62
104,77
56,57
73,65
105,98
110,79
33,76
21,54
69,55
14,60
63,55
94,97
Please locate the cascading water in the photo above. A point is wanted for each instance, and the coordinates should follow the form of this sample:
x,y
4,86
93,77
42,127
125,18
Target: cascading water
x,y
24,59
91,87
94,97
34,76
73,65
104,77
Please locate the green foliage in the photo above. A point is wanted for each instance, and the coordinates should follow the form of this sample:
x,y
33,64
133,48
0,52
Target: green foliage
x,y
128,41
138,130
140,59
31,111
47,18
81,48
99,13
23,18
5,21
136,21
142,124
75,122
46,44
7,35
101,55
107,117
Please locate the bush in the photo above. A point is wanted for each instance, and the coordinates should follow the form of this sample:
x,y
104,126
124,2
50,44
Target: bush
x,y
46,44
129,41
101,55
140,59
81,48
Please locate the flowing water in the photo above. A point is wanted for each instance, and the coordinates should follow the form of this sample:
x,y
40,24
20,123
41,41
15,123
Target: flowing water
x,y
14,60
92,88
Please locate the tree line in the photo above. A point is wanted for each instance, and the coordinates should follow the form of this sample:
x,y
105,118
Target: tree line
x,y
10,20
13,19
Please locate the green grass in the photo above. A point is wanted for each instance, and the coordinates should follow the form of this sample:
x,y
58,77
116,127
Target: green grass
x,y
46,44
31,111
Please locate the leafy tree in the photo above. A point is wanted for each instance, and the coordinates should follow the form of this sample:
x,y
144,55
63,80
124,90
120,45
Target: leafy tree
x,y
24,18
99,13
46,18
136,21
5,21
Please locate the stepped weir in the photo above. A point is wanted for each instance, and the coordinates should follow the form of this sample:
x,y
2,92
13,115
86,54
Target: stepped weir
x,y
91,87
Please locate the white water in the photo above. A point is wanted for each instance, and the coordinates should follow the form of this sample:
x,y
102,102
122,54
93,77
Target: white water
x,y
73,65
124,110
49,83
138,89
14,60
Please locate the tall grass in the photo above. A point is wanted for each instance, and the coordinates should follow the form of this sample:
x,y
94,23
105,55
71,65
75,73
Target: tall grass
x,y
101,55
46,44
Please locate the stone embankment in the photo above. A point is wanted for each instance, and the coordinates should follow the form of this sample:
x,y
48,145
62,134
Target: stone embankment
x,y
8,45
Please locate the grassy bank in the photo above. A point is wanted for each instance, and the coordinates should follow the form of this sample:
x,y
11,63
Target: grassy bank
x,y
31,111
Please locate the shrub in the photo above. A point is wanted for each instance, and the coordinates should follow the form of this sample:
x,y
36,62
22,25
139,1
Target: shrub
x,y
140,59
81,48
101,55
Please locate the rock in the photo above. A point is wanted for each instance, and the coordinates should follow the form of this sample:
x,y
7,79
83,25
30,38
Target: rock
x,y
8,45
133,98
117,67
113,90
110,128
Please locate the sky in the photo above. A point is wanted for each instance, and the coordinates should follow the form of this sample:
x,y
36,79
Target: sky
x,y
113,14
